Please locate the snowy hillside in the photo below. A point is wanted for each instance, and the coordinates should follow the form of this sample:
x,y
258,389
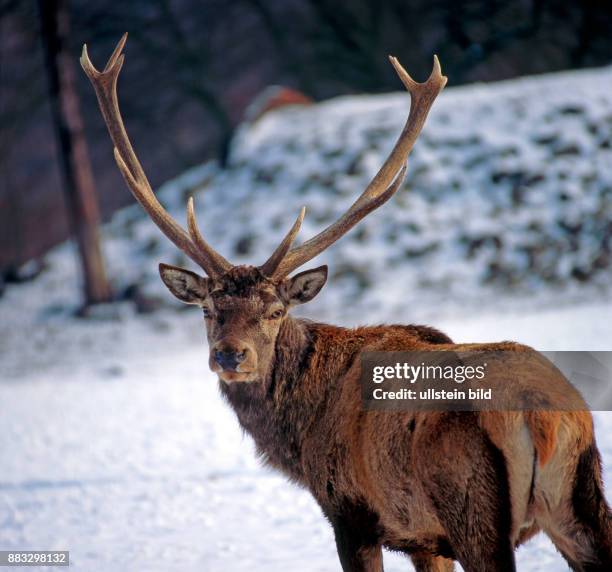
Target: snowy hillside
x,y
508,188
114,442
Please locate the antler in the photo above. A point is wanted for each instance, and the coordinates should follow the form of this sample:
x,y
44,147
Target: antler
x,y
382,187
105,85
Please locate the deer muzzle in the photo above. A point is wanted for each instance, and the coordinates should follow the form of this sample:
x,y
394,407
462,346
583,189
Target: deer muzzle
x,y
233,360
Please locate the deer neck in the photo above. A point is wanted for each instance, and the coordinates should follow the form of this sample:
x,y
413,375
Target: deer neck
x,y
277,410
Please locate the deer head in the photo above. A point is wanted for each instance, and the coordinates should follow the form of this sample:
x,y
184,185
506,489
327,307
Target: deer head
x,y
245,306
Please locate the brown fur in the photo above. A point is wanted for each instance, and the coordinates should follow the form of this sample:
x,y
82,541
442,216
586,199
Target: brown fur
x,y
440,486
437,486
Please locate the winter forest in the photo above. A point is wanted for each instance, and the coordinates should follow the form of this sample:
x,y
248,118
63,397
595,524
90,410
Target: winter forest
x,y
115,442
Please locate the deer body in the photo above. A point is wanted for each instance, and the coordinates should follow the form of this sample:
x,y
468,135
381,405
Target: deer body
x,y
466,486
381,478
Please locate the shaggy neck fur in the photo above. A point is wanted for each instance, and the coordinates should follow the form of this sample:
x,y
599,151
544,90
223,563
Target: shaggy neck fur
x,y
276,410
302,386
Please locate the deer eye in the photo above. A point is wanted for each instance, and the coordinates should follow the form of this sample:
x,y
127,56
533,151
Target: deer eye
x,y
207,312
276,314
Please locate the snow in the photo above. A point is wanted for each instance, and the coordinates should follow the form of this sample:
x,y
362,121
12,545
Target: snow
x,y
133,461
114,441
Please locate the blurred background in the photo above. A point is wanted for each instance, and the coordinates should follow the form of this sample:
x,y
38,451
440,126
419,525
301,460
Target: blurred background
x,y
195,67
114,441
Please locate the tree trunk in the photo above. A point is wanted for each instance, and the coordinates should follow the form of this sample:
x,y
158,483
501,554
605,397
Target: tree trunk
x,y
75,166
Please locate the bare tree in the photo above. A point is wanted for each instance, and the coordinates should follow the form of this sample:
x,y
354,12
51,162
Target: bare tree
x,y
75,165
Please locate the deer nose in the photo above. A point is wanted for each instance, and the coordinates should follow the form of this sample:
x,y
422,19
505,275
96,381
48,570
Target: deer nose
x,y
229,359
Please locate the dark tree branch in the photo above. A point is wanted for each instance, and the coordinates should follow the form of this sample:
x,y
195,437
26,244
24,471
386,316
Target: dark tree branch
x,y
75,167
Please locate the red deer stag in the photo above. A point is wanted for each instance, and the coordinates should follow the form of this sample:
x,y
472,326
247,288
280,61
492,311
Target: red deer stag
x,y
438,486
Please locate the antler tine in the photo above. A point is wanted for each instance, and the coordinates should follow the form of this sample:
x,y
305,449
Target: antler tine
x,y
268,268
105,86
221,264
388,179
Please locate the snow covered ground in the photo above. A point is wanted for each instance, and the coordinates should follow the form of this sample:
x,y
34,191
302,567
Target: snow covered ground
x,y
114,442
132,461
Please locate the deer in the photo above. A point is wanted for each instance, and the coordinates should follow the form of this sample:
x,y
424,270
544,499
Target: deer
x,y
439,486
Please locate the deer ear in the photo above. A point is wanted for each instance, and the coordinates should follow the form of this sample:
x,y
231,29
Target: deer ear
x,y
303,287
187,286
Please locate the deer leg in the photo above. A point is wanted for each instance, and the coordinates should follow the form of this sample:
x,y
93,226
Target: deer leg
x,y
423,563
591,511
581,526
469,491
357,538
